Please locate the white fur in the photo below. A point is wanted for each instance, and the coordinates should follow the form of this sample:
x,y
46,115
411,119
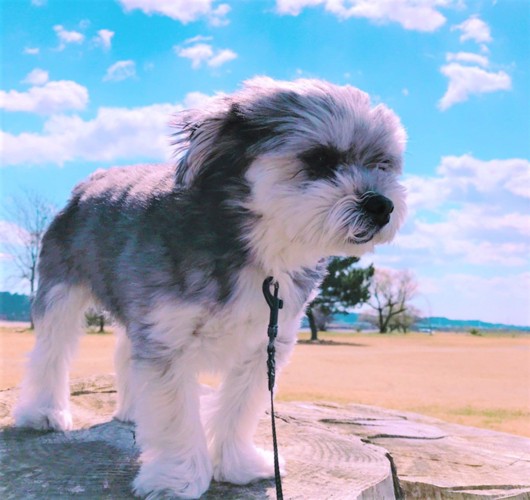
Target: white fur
x,y
202,339
44,400
293,234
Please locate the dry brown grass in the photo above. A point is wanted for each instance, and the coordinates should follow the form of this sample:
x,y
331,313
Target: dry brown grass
x,y
480,381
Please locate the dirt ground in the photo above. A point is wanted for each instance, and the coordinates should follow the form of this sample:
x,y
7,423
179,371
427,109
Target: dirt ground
x,y
471,380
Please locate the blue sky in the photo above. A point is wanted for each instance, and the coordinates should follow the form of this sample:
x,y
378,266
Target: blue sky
x,y
89,84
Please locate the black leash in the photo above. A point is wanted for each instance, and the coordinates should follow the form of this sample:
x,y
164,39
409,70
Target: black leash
x,y
275,305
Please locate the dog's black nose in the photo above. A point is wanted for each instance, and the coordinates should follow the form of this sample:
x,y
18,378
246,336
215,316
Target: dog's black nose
x,y
378,207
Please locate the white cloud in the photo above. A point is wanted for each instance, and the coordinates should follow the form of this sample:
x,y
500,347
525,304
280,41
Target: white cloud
x,y
36,77
420,15
120,71
198,38
467,57
472,212
196,100
468,80
198,54
52,97
222,57
474,29
38,3
464,179
217,17
32,51
104,38
204,53
487,177
66,37
184,11
114,134
458,237
295,7
425,193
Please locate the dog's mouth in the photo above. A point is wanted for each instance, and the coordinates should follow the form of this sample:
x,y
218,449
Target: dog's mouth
x,y
363,236
362,227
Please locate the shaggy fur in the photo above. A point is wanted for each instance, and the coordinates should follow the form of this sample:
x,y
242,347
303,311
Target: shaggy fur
x,y
269,182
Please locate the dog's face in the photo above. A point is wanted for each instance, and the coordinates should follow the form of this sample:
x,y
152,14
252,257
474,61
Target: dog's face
x,y
321,163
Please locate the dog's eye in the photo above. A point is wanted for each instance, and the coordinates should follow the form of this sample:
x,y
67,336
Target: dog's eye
x,y
321,162
383,165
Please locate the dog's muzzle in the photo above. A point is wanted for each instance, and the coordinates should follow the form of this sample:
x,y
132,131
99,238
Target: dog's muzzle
x,y
378,208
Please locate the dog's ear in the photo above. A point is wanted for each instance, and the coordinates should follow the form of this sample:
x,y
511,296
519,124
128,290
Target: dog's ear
x,y
195,131
226,134
202,135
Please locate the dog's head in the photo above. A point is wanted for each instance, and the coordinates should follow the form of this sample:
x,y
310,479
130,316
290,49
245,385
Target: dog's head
x,y
320,164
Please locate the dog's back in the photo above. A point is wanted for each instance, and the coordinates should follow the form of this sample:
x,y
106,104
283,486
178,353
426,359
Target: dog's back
x,y
83,244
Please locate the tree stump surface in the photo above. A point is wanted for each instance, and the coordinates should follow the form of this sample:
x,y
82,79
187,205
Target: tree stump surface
x,y
332,451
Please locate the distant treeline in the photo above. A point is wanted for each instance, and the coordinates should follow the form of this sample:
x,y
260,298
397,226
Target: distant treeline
x,y
14,306
352,321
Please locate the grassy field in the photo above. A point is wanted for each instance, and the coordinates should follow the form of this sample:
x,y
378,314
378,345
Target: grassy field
x,y
482,381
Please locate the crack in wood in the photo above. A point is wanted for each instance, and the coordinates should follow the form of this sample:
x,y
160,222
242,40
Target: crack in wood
x,y
398,492
356,421
398,436
82,393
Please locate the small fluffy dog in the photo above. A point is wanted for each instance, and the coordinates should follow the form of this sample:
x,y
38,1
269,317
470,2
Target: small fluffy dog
x,y
269,181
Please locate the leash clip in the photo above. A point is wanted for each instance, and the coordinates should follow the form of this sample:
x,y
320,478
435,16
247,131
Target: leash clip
x,y
274,302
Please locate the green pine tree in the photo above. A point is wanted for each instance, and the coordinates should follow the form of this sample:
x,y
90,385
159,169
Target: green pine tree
x,y
344,287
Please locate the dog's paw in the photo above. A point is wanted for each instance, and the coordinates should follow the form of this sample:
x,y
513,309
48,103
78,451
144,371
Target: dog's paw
x,y
124,406
43,419
244,465
169,478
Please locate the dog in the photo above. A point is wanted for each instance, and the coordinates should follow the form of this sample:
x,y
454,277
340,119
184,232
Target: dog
x,y
268,181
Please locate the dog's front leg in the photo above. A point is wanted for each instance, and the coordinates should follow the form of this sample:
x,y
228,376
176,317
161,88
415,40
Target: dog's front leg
x,y
174,455
231,418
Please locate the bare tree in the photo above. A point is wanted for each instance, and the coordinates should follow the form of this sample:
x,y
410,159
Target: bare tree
x,y
390,293
29,216
403,322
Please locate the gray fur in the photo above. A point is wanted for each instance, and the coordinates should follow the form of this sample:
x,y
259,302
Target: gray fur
x,y
131,234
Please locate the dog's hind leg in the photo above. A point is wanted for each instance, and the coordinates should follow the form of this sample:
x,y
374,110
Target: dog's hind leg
x,y
44,400
122,364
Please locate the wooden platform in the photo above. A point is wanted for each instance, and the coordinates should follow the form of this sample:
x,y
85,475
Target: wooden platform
x,y
332,451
